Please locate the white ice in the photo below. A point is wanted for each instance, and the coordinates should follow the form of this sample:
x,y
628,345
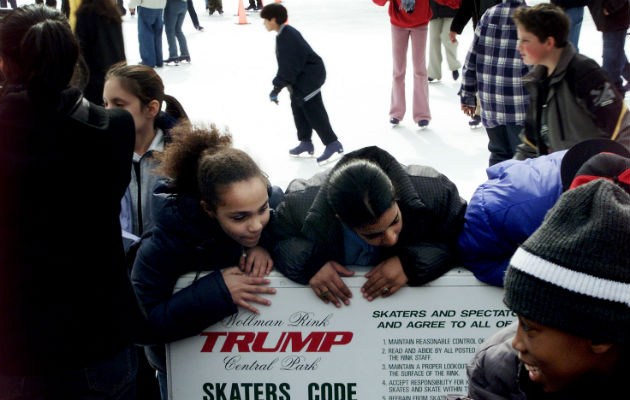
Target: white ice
x,y
229,80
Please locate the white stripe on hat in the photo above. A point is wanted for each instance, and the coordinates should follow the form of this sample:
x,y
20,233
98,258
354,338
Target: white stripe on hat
x,y
568,279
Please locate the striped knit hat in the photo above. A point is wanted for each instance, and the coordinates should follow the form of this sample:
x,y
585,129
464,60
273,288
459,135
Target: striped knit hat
x,y
573,273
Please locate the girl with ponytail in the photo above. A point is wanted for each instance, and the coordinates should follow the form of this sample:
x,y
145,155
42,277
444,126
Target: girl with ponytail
x,y
139,90
210,214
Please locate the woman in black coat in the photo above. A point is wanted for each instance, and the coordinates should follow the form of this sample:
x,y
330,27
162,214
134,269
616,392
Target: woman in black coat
x,y
369,210
67,307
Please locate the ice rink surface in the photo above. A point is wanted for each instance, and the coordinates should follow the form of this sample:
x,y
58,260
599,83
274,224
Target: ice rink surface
x,y
229,80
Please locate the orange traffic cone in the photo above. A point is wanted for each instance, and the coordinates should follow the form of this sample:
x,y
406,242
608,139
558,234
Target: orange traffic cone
x,y
278,1
242,15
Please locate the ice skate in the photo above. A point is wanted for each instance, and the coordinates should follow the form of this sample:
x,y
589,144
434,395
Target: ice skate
x,y
300,149
331,153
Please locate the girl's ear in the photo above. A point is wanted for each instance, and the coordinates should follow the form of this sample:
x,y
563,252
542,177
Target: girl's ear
x,y
207,209
153,108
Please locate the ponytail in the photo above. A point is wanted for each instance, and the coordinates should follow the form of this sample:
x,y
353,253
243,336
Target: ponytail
x,y
174,108
180,159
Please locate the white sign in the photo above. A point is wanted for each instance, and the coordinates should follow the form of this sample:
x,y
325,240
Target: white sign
x,y
412,346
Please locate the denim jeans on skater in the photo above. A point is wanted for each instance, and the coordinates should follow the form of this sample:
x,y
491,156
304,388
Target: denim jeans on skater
x,y
614,58
150,26
576,14
174,14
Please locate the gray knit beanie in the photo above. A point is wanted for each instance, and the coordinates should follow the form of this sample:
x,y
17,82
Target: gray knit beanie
x,y
573,273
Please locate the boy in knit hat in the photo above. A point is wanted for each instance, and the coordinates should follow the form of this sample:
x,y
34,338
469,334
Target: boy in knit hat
x,y
569,283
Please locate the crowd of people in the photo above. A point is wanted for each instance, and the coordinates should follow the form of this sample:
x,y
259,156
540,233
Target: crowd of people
x,y
155,196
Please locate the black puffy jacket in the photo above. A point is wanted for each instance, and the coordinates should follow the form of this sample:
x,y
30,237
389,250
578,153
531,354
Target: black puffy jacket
x,y
308,234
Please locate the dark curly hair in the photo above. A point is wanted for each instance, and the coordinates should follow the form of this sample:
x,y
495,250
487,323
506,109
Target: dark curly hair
x,y
201,162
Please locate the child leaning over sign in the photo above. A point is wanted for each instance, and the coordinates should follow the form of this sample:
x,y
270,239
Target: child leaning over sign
x,y
210,215
369,210
569,283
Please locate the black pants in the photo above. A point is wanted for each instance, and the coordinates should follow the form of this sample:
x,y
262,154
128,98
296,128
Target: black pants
x,y
503,140
193,13
311,115
50,3
3,3
253,3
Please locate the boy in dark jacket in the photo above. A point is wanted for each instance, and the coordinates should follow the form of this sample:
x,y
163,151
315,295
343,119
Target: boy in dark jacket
x,y
571,97
302,71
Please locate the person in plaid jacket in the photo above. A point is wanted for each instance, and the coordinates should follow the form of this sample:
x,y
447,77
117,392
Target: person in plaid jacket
x,y
494,70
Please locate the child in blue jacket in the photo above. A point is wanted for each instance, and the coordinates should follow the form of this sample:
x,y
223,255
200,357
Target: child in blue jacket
x,y
302,71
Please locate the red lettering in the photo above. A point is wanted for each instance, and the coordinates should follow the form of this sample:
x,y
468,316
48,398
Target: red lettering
x,y
261,337
211,340
292,342
239,339
330,340
297,344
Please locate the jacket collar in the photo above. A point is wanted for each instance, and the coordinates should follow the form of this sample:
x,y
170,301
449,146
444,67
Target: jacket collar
x,y
539,72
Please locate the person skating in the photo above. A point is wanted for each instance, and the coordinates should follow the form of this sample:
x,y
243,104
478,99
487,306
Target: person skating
x,y
302,71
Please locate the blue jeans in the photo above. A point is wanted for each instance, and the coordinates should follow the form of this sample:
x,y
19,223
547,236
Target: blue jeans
x,y
113,379
576,14
502,143
615,62
150,25
174,14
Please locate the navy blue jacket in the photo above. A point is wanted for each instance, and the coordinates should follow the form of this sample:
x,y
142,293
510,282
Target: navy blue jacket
x,y
298,65
185,239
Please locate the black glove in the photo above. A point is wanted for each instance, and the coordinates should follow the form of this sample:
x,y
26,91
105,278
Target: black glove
x,y
273,96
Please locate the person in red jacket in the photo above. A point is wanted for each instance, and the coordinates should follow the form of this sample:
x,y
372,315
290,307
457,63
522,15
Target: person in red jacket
x,y
409,19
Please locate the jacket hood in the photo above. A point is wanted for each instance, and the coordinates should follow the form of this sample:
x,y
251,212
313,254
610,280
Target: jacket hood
x,y
181,214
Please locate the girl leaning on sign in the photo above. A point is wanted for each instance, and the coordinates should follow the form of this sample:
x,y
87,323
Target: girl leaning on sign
x,y
211,214
371,211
